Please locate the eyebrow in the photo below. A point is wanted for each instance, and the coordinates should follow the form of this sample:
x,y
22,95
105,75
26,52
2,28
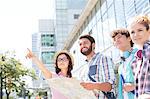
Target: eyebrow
x,y
61,57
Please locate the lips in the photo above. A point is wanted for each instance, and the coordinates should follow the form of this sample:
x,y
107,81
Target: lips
x,y
137,40
84,49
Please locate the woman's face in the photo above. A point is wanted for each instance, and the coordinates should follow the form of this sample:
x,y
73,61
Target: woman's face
x,y
139,34
62,61
122,42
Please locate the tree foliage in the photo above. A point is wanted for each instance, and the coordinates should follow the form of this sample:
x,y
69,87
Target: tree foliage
x,y
12,72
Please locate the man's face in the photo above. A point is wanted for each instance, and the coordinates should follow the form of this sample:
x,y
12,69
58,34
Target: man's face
x,y
121,42
85,46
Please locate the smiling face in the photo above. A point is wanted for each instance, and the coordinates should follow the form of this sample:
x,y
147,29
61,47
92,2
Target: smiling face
x,y
139,34
85,46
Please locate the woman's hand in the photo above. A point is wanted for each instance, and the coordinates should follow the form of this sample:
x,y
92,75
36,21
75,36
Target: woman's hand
x,y
39,63
30,54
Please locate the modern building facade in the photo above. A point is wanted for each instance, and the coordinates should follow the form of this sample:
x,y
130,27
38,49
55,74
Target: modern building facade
x,y
35,49
43,45
47,42
98,19
52,35
67,13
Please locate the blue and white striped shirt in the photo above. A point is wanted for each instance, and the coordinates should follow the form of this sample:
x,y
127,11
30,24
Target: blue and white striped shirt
x,y
104,71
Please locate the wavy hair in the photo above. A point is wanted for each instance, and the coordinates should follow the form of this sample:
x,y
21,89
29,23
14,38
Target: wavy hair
x,y
142,19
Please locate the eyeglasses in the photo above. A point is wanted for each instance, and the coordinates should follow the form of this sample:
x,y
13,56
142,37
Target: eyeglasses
x,y
118,36
62,59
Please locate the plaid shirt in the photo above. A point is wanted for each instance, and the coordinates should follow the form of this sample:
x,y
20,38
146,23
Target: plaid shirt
x,y
104,71
141,71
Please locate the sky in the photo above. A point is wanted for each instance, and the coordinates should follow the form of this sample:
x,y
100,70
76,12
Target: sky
x,y
18,21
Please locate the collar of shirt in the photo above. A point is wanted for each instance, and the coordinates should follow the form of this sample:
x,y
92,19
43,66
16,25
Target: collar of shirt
x,y
92,58
126,54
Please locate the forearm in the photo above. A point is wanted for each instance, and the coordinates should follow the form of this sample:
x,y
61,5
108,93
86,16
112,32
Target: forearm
x,y
47,74
106,86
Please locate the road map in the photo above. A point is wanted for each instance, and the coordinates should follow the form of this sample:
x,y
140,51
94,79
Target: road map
x,y
70,87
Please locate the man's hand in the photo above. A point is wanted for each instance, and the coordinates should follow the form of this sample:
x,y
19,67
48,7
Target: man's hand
x,y
128,87
88,85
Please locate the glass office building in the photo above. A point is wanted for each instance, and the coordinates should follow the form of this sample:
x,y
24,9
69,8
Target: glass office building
x,y
67,13
98,19
43,45
46,42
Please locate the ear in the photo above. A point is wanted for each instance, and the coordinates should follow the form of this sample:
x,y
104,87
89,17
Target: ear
x,y
149,30
129,38
93,46
113,44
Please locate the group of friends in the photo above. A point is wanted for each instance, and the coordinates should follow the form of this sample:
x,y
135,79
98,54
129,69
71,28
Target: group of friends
x,y
133,78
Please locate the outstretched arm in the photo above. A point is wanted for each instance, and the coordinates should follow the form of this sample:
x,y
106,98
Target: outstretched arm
x,y
47,74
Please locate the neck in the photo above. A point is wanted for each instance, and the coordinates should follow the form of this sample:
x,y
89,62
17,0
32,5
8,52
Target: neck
x,y
126,49
64,72
140,46
90,55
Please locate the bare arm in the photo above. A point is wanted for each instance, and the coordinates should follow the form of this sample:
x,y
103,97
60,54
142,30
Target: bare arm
x,y
99,86
47,74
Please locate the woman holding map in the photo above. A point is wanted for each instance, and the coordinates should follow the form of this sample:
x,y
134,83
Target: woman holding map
x,y
63,67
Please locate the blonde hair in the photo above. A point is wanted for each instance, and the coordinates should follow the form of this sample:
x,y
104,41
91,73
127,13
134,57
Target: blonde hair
x,y
142,19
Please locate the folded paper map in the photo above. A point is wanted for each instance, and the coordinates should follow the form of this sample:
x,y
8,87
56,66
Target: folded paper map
x,y
71,88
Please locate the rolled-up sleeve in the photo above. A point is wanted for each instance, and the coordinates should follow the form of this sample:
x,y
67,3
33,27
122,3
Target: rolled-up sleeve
x,y
108,70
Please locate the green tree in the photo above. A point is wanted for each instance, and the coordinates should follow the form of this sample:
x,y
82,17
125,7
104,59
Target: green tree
x,y
12,72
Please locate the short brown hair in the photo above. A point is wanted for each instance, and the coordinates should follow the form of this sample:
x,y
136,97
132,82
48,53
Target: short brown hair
x,y
122,31
89,37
